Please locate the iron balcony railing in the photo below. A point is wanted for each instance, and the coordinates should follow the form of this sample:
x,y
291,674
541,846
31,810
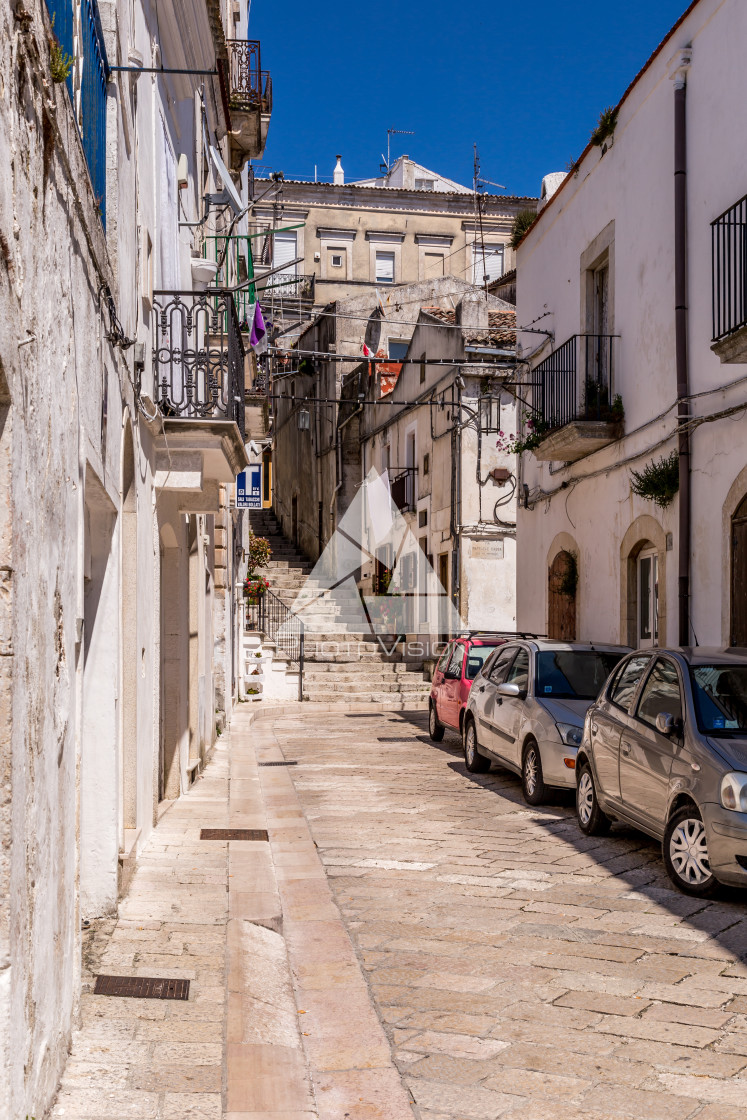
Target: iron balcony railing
x,y
198,356
729,269
249,86
576,382
403,489
269,616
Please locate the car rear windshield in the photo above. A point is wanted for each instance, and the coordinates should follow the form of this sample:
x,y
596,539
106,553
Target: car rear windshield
x,y
476,658
569,674
720,698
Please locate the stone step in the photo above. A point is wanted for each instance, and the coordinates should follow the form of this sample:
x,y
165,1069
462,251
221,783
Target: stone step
x,y
367,697
352,688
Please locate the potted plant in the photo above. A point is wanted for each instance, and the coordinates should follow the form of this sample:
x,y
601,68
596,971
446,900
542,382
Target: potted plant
x,y
255,587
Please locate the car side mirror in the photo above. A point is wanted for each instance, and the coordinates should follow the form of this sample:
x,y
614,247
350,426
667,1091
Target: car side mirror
x,y
666,724
508,690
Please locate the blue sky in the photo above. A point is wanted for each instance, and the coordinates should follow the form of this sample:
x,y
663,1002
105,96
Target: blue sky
x,y
527,83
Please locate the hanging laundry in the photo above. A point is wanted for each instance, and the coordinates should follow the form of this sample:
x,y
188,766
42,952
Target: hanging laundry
x,y
258,332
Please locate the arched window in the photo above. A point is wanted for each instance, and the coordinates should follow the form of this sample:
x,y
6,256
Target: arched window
x,y
739,575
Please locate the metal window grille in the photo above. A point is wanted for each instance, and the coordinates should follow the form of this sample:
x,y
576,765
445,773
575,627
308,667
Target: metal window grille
x,y
93,100
729,269
61,14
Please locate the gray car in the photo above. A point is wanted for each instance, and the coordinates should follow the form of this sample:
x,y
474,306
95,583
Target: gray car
x,y
526,709
665,750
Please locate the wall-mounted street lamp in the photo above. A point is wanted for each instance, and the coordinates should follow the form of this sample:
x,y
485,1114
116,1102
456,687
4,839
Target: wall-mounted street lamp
x,y
303,420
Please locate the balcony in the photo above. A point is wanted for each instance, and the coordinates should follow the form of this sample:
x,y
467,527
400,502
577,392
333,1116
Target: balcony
x,y
403,490
573,402
246,91
199,375
729,283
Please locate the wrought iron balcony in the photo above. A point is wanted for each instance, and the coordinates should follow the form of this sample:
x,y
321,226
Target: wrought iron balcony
x,y
403,489
249,86
729,282
246,92
572,398
198,357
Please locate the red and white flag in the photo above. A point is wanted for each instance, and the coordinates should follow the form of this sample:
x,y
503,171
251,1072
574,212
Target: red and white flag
x,y
366,352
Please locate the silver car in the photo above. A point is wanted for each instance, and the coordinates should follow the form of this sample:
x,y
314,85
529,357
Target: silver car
x,y
665,750
526,709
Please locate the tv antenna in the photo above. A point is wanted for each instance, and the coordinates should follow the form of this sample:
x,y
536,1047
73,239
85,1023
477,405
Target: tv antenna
x,y
390,132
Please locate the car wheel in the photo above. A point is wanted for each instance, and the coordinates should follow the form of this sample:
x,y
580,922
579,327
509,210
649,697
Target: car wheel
x,y
591,819
435,729
532,783
685,851
473,760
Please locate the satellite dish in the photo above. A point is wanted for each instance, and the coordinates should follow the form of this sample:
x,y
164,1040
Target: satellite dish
x,y
224,177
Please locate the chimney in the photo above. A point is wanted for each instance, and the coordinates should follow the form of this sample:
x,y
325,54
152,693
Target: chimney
x,y
472,311
339,175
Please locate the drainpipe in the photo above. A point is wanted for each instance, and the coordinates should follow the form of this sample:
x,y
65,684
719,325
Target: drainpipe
x,y
680,327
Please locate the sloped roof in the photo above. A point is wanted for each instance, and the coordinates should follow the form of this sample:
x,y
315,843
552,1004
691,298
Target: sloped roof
x,y
501,325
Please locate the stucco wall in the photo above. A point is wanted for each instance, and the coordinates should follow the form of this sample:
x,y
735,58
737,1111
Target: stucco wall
x,y
632,186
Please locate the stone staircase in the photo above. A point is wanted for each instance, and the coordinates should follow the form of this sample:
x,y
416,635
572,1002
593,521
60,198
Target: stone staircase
x,y
344,663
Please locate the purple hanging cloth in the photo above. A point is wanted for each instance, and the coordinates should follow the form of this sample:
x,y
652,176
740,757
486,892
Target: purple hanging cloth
x,y
258,333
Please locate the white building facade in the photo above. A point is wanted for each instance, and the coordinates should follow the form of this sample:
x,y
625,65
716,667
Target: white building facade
x,y
633,265
120,548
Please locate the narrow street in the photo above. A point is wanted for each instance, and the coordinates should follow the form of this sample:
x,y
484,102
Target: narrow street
x,y
516,967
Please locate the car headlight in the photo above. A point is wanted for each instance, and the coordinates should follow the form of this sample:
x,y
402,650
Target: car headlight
x,y
572,735
734,792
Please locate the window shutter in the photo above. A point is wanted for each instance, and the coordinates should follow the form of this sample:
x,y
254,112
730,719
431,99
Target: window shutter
x,y
385,268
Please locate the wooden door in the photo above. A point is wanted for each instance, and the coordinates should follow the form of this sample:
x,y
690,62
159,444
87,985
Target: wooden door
x,y
739,576
562,580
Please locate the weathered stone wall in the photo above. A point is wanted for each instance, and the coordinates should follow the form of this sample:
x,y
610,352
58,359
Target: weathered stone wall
x,y
63,420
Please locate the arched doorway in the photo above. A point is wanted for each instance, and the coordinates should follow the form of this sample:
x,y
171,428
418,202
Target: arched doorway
x,y
562,588
738,634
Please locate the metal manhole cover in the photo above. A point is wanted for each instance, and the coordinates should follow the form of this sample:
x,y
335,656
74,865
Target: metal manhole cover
x,y
291,763
142,987
233,834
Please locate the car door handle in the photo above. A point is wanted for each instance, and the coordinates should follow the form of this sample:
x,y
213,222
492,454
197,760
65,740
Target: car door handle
x,y
625,748
594,729
481,688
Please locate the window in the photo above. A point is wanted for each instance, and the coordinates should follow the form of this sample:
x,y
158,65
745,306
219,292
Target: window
x,y
519,672
499,667
422,369
425,184
384,267
397,349
426,463
491,266
623,688
476,658
454,672
661,693
445,657
336,260
573,674
648,598
283,254
720,696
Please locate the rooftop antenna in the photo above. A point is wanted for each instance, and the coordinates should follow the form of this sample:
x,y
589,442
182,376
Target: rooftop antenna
x,y
389,133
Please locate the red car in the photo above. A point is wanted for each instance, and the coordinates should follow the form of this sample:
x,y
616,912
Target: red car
x,y
460,663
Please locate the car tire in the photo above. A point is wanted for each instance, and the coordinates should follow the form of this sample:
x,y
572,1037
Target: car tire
x,y
473,760
591,819
435,729
532,782
685,851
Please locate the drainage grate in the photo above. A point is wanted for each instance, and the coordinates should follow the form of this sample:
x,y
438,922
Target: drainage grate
x,y
393,739
233,834
289,763
142,987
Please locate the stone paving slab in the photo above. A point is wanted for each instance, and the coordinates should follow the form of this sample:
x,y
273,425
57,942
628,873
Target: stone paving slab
x,y
519,968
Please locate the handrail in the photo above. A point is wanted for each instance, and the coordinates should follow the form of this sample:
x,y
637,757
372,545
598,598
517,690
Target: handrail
x,y
268,615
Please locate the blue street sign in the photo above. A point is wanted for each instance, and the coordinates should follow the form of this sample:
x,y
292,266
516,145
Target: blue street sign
x,y
249,488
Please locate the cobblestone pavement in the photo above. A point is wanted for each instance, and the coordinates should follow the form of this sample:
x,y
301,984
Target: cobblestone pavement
x,y
520,968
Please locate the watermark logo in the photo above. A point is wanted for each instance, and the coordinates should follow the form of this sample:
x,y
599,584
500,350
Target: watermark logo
x,y
374,580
